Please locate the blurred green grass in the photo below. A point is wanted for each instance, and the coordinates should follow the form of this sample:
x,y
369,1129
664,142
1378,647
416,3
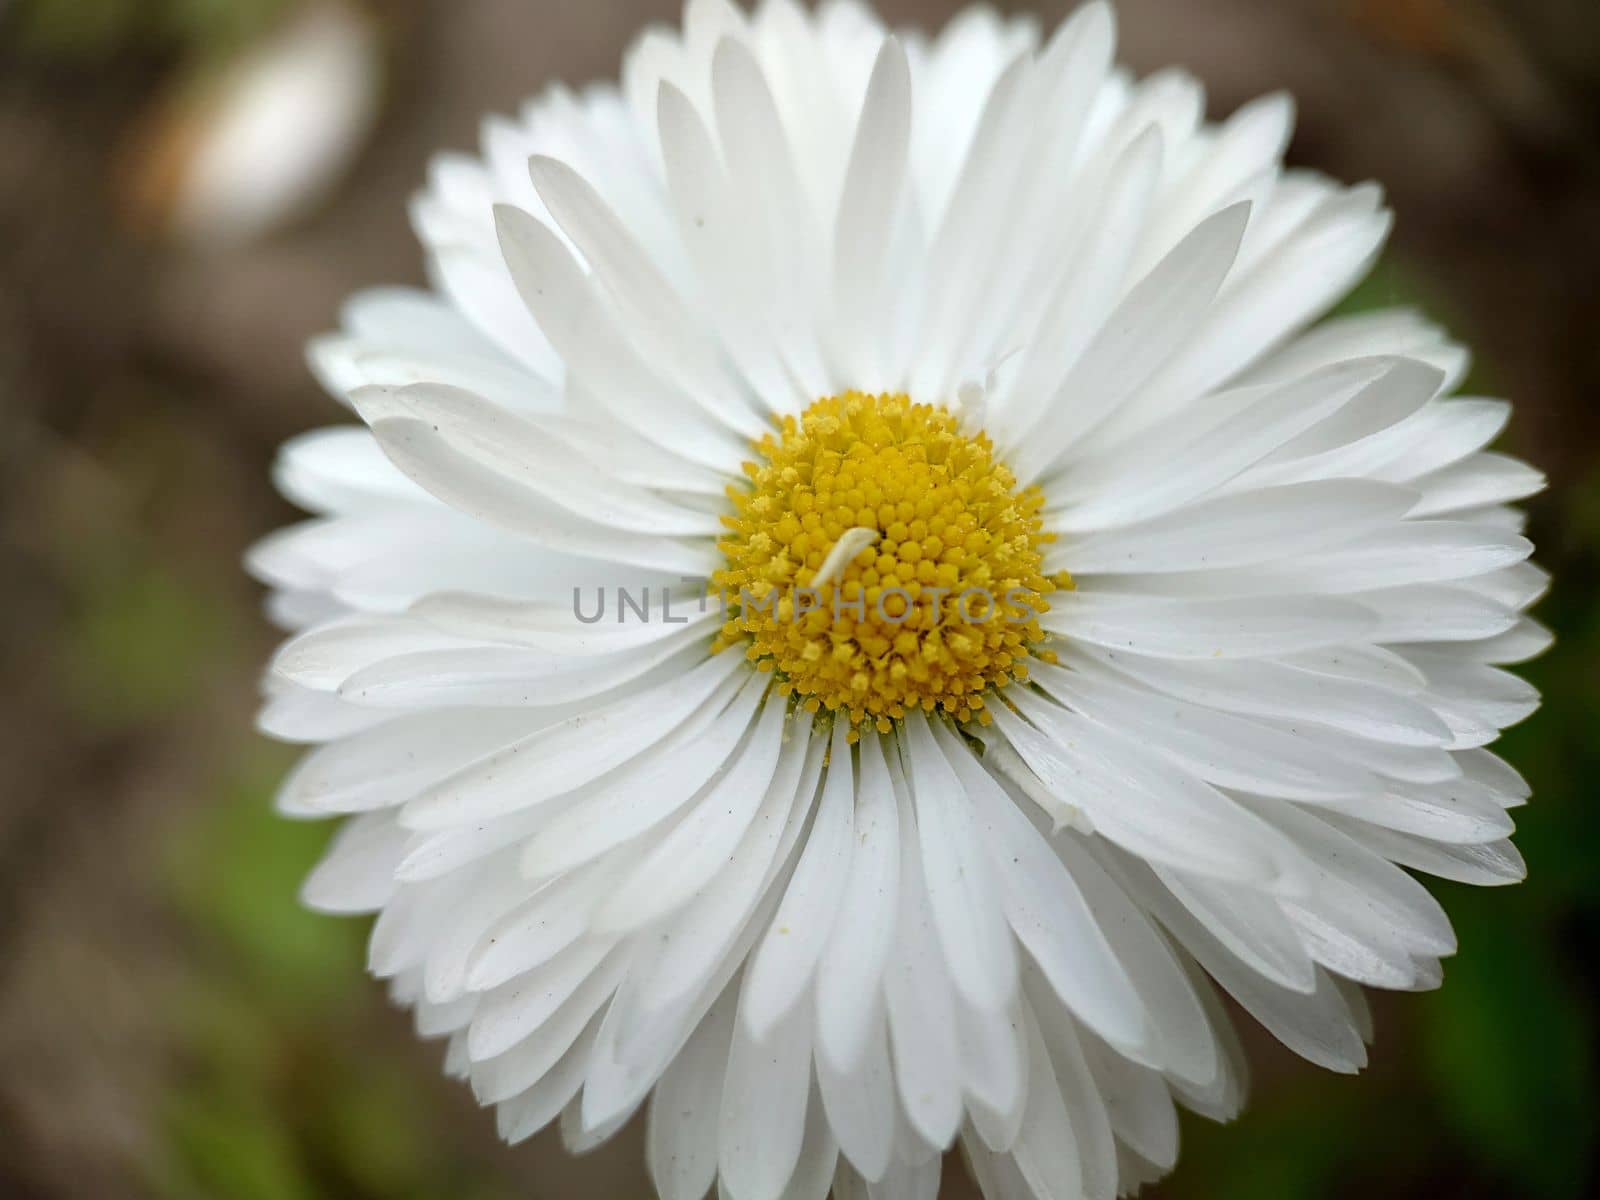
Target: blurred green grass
x,y
90,30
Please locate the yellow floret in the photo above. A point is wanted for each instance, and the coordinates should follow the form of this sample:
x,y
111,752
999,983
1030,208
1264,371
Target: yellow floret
x,y
892,629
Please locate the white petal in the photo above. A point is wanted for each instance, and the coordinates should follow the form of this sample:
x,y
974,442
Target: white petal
x,y
1290,690
1239,530
553,918
1247,144
761,167
1481,480
644,793
567,755
568,630
660,323
1378,332
1080,1093
1185,1043
1525,640
957,258
1360,893
1206,629
572,314
1225,750
1316,1026
994,1072
728,251
468,486
781,969
1503,781
683,861
530,1111
389,764
525,1064
868,209
1156,318
1050,917
1360,439
1435,613
686,1110
1444,433
1090,284
340,470
498,677
687,950
921,1004
1151,809
1024,252
531,455
1422,552
1459,812
819,1157
1288,288
495,891
357,874
961,883
1487,864
1206,446
850,972
1046,1151
1139,1105
860,1102
1250,925
512,1011
764,1108
325,657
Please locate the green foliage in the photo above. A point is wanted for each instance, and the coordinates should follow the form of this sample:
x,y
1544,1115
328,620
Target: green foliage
x,y
226,1145
1285,1153
141,642
237,878
90,30
1510,1053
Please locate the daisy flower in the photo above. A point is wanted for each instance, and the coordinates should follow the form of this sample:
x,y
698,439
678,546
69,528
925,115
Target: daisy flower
x,y
868,596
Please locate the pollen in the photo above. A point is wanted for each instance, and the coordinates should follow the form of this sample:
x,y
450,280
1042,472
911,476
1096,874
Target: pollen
x,y
880,559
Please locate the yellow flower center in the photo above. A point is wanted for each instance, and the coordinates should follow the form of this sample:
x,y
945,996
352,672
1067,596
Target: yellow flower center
x,y
883,559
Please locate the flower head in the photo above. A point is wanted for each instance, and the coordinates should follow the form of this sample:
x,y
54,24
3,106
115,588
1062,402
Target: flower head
x,y
1093,627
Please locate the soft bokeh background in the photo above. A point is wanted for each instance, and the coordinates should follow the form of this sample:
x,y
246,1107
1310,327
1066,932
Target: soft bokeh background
x,y
171,1026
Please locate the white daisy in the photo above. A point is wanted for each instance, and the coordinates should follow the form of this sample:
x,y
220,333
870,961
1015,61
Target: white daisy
x,y
904,320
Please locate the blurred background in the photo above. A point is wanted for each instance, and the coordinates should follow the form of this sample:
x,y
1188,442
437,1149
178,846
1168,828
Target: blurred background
x,y
187,190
